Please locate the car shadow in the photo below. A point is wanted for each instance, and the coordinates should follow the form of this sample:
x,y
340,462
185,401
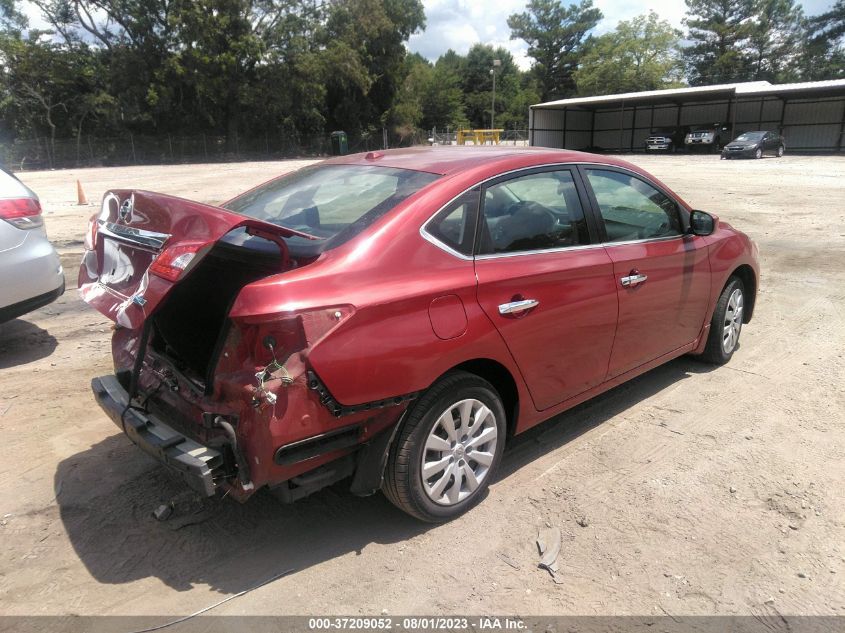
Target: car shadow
x,y
106,496
558,431
23,342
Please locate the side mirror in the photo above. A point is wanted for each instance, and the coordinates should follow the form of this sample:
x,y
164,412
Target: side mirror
x,y
701,223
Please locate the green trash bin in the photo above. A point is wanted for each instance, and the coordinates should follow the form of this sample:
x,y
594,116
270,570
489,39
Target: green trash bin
x,y
340,144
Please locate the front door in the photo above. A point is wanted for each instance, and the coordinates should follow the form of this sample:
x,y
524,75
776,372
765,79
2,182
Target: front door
x,y
550,292
662,275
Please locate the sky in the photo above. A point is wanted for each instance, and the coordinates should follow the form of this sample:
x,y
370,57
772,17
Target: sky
x,y
458,24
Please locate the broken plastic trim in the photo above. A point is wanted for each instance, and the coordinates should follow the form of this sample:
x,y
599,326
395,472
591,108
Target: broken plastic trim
x,y
337,439
339,410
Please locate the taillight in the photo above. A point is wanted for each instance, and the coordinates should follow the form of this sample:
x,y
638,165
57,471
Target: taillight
x,y
173,261
24,213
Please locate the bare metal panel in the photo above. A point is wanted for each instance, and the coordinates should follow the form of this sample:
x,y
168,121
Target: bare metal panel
x,y
548,119
577,140
704,113
545,138
665,117
803,112
816,137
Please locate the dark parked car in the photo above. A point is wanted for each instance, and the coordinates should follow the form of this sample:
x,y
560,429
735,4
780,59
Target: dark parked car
x,y
396,316
755,145
668,139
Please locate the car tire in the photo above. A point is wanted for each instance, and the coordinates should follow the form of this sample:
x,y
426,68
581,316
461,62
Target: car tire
x,y
423,439
780,151
758,154
726,324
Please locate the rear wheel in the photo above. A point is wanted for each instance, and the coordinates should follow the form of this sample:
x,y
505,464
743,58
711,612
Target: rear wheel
x,y
448,449
726,324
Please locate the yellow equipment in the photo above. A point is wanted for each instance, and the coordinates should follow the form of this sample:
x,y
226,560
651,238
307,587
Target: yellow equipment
x,y
479,137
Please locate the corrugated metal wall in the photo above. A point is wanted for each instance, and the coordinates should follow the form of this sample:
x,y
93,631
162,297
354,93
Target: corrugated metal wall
x,y
806,124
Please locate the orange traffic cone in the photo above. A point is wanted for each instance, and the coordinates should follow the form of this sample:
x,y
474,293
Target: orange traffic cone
x,y
80,194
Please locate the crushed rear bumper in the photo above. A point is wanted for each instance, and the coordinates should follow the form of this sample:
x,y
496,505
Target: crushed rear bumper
x,y
195,463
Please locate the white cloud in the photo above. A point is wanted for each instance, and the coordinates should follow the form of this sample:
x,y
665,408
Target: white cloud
x,y
458,24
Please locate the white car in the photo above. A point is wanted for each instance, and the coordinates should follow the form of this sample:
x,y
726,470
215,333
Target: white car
x,y
31,274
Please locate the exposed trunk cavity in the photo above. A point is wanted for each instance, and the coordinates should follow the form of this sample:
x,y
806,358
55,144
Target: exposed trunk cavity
x,y
192,323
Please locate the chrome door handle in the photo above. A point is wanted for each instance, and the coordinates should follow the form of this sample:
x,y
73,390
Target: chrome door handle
x,y
515,307
633,280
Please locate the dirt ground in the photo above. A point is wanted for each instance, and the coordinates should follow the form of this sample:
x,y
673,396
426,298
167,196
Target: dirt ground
x,y
689,490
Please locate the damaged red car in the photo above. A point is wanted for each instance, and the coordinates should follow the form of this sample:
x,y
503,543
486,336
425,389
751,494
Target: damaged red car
x,y
391,318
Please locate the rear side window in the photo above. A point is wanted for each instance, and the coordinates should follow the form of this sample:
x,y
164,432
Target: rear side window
x,y
537,211
631,208
455,225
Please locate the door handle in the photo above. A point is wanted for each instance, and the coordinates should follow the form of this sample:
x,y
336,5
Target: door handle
x,y
515,307
634,279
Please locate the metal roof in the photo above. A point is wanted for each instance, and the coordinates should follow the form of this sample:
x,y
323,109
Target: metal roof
x,y
748,88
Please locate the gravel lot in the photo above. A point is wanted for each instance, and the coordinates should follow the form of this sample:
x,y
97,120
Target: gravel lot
x,y
689,490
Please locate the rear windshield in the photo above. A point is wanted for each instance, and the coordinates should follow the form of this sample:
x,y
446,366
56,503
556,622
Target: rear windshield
x,y
331,202
750,136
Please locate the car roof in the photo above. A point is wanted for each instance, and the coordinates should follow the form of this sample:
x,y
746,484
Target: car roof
x,y
454,159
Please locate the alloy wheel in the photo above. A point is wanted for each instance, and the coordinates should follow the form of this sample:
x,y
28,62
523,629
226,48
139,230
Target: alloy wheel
x,y
733,321
459,451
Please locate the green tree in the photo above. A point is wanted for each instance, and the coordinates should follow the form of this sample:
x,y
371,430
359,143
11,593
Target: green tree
x,y
365,47
640,54
824,47
719,31
775,41
556,36
477,85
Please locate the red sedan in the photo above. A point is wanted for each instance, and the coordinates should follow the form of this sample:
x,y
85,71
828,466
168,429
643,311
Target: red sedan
x,y
393,317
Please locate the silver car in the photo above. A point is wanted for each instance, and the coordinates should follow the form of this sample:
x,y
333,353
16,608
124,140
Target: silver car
x,y
31,274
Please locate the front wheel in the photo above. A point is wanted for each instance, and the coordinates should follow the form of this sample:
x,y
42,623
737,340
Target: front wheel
x,y
447,450
726,324
780,151
758,153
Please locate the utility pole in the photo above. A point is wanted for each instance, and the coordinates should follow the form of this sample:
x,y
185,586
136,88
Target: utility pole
x,y
496,64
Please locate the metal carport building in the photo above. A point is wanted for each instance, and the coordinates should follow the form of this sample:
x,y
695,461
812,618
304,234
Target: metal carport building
x,y
810,115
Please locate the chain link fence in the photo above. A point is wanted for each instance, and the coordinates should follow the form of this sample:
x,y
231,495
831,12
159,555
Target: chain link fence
x,y
93,151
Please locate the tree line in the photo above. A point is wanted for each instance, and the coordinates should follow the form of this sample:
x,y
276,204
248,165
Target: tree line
x,y
300,68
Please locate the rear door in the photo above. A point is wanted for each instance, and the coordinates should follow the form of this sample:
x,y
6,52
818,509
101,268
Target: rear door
x,y
547,288
661,274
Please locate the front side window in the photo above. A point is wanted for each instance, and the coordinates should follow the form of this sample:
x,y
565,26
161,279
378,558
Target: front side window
x,y
331,202
631,208
533,212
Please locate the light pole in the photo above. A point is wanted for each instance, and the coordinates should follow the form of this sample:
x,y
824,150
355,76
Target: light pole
x,y
496,64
